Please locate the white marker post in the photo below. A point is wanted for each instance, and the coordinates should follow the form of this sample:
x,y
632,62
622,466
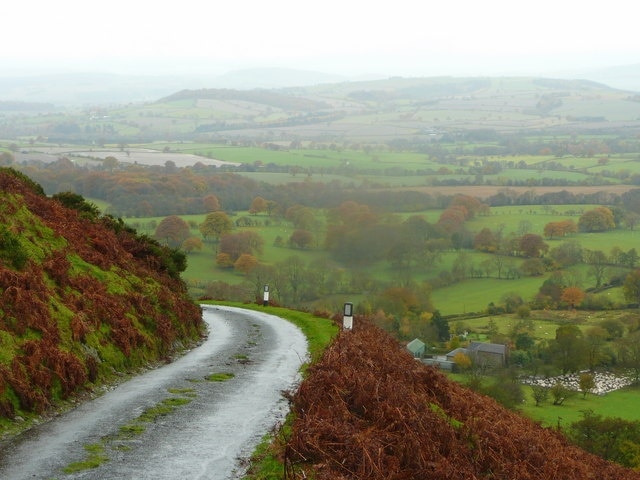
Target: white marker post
x,y
265,296
347,319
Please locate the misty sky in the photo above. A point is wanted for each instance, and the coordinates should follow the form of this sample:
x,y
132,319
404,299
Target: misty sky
x,y
349,37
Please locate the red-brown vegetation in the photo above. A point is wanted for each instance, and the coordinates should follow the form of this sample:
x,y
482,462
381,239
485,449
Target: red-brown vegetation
x,y
368,410
90,286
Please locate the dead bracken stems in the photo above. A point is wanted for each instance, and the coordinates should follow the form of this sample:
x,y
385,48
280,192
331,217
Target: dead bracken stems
x,y
368,410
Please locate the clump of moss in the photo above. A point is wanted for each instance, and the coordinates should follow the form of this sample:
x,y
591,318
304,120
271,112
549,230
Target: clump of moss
x,y
220,377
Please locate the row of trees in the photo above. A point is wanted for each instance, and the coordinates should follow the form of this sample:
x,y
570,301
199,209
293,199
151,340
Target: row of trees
x,y
134,190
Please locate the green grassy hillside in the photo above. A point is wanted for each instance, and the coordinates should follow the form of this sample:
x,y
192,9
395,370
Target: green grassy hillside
x,y
82,299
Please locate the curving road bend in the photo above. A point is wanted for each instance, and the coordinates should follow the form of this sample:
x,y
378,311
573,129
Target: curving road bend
x,y
210,437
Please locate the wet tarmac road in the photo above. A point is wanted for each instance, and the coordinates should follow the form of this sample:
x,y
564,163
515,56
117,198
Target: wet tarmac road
x,y
213,428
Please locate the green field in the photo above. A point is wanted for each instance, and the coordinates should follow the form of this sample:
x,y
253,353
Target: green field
x,y
473,295
617,404
620,403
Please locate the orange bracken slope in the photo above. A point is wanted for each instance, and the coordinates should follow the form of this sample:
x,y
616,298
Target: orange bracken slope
x,y
368,410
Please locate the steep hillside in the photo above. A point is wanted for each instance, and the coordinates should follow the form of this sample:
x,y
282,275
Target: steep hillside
x,y
82,298
368,410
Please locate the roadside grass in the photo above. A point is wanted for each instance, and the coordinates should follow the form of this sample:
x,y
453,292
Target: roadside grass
x,y
94,459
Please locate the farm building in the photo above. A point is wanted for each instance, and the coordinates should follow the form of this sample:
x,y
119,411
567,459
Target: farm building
x,y
417,348
487,354
493,354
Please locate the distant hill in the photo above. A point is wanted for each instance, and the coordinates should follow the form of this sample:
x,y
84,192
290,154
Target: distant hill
x,y
83,299
86,88
273,78
369,410
625,77
99,88
411,110
96,88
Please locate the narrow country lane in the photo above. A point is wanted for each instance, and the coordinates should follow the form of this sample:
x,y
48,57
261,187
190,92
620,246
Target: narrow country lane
x,y
213,426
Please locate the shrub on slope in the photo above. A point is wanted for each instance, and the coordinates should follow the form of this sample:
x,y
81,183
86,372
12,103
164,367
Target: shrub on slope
x,y
85,299
368,410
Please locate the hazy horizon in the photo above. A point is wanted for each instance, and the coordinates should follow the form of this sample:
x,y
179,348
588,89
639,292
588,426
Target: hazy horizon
x,y
355,38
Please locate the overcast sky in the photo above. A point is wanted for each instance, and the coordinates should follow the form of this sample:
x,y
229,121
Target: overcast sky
x,y
349,37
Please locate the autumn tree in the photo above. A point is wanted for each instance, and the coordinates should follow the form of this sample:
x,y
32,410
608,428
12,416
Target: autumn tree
x,y
245,263
551,289
452,219
532,245
560,228
215,225
211,203
224,260
236,244
301,238
353,215
462,361
191,244
398,300
599,219
258,205
301,217
173,230
472,205
485,241
572,296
